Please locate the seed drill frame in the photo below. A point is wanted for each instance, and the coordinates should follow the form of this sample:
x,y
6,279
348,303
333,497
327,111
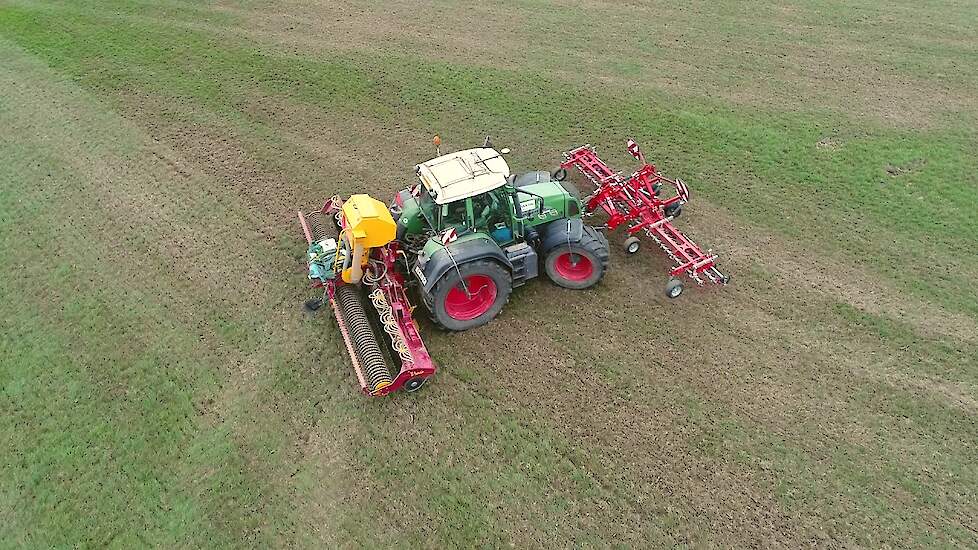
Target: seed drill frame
x,y
389,299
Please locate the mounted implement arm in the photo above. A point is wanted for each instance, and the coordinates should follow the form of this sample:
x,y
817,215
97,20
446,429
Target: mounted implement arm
x,y
635,202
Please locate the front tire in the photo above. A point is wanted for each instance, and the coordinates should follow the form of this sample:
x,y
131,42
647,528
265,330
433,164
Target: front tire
x,y
579,265
487,286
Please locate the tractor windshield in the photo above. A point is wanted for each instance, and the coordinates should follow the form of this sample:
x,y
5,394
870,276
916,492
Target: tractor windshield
x,y
429,209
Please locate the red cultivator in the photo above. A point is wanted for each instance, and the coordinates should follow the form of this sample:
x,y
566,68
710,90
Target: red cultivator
x,y
635,201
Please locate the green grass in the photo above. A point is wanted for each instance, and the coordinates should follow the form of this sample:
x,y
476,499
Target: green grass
x,y
102,382
762,166
160,388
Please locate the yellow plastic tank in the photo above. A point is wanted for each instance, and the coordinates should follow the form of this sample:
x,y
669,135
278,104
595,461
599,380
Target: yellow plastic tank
x,y
369,221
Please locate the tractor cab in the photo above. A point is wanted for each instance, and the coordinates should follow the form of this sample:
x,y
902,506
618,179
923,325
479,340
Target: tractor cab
x,y
472,190
473,231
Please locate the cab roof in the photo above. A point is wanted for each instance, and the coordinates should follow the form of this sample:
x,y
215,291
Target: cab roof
x,y
463,174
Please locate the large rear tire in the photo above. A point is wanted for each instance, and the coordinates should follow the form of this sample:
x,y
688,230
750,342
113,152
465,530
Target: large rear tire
x,y
487,286
581,264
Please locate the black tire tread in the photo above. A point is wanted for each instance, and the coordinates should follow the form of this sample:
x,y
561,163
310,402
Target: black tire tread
x,y
481,265
592,241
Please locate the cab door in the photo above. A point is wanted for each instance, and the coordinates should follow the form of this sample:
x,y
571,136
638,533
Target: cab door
x,y
493,214
457,214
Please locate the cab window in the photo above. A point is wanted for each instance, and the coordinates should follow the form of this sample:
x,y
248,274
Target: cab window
x,y
489,209
429,209
458,213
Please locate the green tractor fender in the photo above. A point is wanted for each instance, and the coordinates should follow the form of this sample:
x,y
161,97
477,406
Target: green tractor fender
x,y
436,260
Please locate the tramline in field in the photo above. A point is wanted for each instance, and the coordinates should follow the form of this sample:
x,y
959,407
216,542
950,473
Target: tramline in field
x,y
464,236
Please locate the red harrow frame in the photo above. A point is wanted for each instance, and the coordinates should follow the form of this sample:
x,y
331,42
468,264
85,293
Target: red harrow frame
x,y
634,201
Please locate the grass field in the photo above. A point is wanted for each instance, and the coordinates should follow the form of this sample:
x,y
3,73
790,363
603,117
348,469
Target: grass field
x,y
161,386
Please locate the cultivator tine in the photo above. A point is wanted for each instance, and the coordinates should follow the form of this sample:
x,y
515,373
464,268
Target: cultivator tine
x,y
390,325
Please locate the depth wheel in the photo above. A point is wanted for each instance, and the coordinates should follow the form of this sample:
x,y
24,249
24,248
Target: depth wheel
x,y
470,296
414,384
674,288
632,245
579,265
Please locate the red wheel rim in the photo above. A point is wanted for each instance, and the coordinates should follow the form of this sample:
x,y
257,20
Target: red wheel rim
x,y
481,295
573,267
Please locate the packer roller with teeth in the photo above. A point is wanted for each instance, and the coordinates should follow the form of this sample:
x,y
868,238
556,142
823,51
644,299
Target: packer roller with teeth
x,y
465,235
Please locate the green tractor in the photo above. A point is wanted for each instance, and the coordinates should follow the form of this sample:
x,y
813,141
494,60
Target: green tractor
x,y
472,231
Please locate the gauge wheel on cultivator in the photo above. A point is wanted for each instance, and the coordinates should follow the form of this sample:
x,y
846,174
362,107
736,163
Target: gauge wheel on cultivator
x,y
674,288
581,264
632,245
457,306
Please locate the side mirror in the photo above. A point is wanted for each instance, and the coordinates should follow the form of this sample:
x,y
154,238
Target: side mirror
x,y
504,151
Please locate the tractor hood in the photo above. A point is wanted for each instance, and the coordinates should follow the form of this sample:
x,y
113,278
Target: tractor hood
x,y
558,202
